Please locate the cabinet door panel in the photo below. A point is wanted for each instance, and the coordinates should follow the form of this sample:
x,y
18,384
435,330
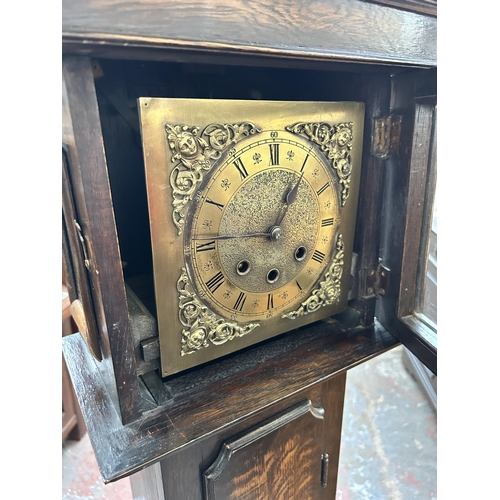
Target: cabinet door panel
x,y
406,218
276,444
281,459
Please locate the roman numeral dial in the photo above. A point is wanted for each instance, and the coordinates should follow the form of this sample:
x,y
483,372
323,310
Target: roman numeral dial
x,y
243,270
251,206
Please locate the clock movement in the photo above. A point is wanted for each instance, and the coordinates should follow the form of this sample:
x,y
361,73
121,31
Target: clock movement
x,y
252,208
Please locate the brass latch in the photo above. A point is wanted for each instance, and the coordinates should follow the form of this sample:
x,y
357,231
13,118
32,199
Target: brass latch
x,y
376,280
324,469
386,135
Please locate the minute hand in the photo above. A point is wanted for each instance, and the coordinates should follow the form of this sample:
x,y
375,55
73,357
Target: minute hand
x,y
231,237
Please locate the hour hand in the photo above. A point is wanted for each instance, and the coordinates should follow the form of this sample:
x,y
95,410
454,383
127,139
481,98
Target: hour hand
x,y
290,198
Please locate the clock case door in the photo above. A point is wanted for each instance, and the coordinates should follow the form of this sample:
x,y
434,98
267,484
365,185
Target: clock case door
x,y
407,268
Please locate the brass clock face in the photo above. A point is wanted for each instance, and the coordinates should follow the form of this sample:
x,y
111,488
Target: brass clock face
x,y
262,227
252,209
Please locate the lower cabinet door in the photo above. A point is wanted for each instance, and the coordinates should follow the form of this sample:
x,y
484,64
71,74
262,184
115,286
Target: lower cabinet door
x,y
288,450
282,458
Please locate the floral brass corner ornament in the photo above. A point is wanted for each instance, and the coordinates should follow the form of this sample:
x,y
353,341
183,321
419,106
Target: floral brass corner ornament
x,y
328,290
196,153
336,143
203,327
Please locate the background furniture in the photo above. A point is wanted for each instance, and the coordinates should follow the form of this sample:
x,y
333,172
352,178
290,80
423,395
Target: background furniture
x,y
73,425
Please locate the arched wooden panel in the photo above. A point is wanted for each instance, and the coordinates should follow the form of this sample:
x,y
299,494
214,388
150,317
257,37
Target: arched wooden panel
x,y
281,458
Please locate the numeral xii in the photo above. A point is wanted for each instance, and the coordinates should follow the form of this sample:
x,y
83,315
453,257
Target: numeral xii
x,y
274,152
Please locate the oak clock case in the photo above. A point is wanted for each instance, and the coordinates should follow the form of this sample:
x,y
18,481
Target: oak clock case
x,y
252,208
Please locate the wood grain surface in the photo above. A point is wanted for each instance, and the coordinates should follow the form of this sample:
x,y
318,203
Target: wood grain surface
x,y
280,458
94,209
419,161
347,30
181,470
214,396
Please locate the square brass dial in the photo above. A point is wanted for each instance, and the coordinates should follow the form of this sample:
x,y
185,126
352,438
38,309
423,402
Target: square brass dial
x,y
252,208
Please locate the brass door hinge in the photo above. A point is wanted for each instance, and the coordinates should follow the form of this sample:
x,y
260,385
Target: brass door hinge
x,y
386,135
376,281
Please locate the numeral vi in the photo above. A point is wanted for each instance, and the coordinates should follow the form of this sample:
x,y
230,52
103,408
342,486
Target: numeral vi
x,y
240,302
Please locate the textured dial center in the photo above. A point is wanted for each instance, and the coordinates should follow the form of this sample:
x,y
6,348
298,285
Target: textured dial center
x,y
256,207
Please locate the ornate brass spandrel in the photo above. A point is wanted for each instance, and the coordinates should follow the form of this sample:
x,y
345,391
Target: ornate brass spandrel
x,y
328,290
203,326
196,152
336,143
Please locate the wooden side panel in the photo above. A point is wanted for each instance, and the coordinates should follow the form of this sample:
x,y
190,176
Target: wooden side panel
x,y
88,172
147,484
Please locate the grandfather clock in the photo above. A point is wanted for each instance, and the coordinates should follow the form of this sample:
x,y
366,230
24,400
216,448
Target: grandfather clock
x,y
246,202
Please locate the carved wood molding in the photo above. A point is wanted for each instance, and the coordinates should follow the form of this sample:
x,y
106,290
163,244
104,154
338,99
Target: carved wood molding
x,y
232,447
